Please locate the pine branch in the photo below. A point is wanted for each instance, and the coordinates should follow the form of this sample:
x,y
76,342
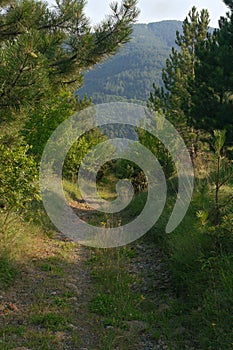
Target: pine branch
x,y
13,84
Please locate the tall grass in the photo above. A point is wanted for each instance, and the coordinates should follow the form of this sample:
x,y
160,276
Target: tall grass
x,y
19,239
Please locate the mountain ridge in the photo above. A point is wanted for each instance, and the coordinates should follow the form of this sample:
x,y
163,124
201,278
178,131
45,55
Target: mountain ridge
x,y
130,74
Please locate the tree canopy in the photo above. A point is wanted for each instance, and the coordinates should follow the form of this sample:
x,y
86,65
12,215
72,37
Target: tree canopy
x,y
212,89
174,97
45,48
198,78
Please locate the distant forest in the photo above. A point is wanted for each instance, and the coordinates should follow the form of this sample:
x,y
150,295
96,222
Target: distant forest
x,y
131,73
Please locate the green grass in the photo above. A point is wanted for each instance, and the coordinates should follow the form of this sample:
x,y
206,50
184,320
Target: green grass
x,y
200,259
43,340
106,188
71,190
48,314
201,265
53,265
8,271
50,321
16,242
115,301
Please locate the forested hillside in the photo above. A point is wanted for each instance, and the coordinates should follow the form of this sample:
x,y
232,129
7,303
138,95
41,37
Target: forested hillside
x,y
130,73
116,220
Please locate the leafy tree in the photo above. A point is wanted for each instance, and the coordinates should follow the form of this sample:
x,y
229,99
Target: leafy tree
x,y
42,121
18,181
44,48
212,90
17,176
158,149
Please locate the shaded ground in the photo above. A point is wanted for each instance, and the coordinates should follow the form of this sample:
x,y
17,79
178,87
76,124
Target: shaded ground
x,y
47,308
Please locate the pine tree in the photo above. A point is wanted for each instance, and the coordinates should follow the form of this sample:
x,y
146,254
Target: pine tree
x,y
174,98
45,48
212,90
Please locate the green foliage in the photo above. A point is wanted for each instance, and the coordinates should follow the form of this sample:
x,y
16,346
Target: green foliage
x,y
44,51
119,304
71,190
43,48
212,102
200,250
18,175
174,98
126,169
79,150
200,254
158,149
202,216
51,320
222,174
44,119
200,261
8,271
219,140
18,189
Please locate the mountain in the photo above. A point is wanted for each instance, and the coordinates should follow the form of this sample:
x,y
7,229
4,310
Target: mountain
x,y
130,73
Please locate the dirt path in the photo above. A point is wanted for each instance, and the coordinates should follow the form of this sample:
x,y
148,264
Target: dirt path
x,y
48,308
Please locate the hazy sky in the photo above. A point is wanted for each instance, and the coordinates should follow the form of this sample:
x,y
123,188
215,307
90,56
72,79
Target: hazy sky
x,y
157,10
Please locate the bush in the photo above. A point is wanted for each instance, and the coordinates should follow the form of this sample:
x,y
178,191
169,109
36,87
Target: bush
x,y
18,181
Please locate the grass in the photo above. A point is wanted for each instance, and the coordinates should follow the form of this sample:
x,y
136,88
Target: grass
x,y
8,270
116,300
71,190
47,305
50,321
105,188
201,265
36,268
195,313
14,243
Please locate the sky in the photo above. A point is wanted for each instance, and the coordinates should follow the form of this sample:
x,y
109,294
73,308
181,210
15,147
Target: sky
x,y
158,10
